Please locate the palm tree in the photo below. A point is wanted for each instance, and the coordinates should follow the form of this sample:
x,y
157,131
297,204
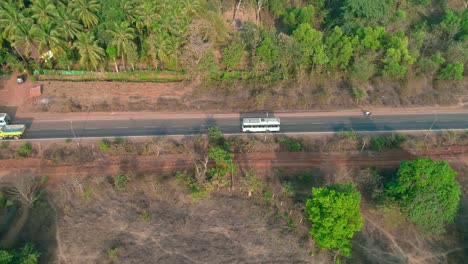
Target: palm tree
x,y
191,7
42,11
146,13
67,24
15,25
23,39
85,10
10,18
122,36
48,36
174,45
90,53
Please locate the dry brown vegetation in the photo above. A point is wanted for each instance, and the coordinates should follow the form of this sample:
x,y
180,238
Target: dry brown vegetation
x,y
82,218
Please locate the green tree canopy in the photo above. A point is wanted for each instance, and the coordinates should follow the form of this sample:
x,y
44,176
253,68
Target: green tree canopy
x,y
453,71
232,55
334,213
428,192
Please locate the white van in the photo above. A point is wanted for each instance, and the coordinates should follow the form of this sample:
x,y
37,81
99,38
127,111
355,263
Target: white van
x,y
4,119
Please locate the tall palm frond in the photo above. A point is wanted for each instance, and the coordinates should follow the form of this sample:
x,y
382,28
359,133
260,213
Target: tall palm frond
x,y
85,10
42,11
90,52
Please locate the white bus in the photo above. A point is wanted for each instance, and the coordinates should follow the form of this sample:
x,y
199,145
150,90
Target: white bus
x,y
260,125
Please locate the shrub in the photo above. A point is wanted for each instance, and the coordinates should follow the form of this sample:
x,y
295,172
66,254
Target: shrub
x,y
144,216
118,140
68,140
104,145
5,144
381,143
120,181
291,144
428,192
25,150
288,189
33,79
215,136
453,71
267,195
112,253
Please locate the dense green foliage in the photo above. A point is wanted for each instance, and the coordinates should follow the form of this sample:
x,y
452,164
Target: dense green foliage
x,y
354,38
27,254
428,192
335,216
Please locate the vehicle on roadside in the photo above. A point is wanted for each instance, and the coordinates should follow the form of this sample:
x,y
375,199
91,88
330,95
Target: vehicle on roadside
x,y
11,131
20,79
367,113
4,119
260,125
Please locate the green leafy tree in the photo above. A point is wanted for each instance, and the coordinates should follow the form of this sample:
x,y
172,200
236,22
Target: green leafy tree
x,y
309,38
6,257
339,48
224,164
453,71
370,9
232,55
268,52
371,38
215,136
27,255
362,70
334,213
397,56
132,55
429,65
428,192
358,94
90,52
111,51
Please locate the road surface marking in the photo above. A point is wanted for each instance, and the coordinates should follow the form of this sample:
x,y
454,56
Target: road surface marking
x,y
92,128
150,126
121,127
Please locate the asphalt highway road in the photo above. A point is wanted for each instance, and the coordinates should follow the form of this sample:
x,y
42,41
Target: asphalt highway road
x,y
44,129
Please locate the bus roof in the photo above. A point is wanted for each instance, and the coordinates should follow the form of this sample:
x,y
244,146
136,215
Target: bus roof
x,y
253,121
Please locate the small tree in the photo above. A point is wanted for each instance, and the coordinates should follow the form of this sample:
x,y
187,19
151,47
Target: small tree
x,y
428,192
232,55
334,213
112,53
453,71
215,136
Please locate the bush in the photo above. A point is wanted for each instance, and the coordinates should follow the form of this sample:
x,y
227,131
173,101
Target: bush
x,y
215,136
104,145
33,79
120,181
291,144
453,71
112,253
25,150
68,140
428,192
381,143
118,140
5,144
288,189
267,195
144,216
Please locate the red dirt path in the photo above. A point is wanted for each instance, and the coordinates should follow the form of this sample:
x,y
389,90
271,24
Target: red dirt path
x,y
302,160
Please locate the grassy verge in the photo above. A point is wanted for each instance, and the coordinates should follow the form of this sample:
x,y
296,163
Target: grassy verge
x,y
130,76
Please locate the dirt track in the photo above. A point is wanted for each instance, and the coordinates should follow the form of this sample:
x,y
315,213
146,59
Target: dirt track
x,y
302,160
